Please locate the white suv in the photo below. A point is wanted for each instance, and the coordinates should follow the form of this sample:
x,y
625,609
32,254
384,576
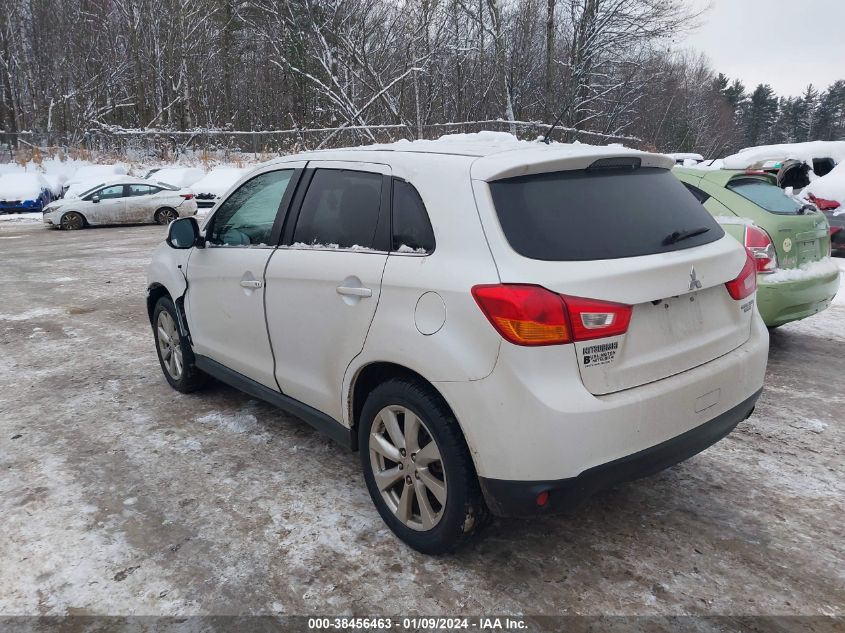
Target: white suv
x,y
492,324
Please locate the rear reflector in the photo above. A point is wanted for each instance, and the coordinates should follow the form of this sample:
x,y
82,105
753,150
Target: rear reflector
x,y
746,283
532,315
543,498
760,245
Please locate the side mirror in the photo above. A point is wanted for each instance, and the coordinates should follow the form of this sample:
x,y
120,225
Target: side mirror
x,y
95,199
184,233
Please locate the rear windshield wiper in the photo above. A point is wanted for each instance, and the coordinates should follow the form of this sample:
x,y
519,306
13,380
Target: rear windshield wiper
x,y
677,236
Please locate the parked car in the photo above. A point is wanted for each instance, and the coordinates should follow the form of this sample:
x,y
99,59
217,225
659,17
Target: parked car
x,y
177,176
686,158
23,192
213,186
494,325
790,240
123,200
794,165
828,194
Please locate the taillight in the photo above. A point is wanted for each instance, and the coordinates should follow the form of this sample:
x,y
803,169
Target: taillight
x,y
524,315
187,196
746,283
760,245
532,315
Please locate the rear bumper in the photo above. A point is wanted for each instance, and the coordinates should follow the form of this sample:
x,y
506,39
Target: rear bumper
x,y
519,498
787,301
532,419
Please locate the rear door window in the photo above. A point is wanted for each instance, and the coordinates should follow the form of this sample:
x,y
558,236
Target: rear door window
x,y
412,231
141,190
591,214
340,210
765,195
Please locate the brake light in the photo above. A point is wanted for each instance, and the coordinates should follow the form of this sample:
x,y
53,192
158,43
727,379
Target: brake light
x,y
756,172
760,245
531,315
746,283
187,196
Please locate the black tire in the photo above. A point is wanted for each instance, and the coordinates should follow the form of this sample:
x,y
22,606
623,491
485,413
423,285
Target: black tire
x,y
464,512
72,221
165,216
190,378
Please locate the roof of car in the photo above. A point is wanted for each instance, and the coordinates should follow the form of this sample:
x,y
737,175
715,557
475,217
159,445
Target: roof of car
x,y
492,155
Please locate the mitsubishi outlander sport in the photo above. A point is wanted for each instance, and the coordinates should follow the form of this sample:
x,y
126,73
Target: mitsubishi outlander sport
x,y
495,326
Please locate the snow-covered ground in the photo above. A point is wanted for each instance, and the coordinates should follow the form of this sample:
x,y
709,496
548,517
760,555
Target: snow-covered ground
x,y
122,496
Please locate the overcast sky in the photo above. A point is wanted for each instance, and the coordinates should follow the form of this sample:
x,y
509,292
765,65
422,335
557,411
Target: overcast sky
x,y
785,43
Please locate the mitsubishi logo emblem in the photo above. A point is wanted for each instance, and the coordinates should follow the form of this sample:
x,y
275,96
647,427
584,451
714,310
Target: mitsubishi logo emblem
x,y
694,283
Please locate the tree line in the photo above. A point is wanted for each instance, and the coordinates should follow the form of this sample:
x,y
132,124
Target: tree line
x,y
604,66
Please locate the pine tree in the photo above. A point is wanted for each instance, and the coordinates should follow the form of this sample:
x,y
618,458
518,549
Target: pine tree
x,y
809,104
760,115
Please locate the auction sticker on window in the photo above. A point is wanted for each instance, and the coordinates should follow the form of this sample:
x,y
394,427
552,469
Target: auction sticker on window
x,y
600,354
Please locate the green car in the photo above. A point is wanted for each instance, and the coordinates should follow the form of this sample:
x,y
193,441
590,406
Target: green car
x,y
789,240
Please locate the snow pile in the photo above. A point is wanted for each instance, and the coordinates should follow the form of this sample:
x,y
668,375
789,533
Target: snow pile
x,y
813,270
682,158
829,187
89,176
22,186
778,153
216,182
22,218
178,176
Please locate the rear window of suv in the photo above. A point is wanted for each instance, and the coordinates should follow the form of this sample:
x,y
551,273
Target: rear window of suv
x,y
765,195
583,215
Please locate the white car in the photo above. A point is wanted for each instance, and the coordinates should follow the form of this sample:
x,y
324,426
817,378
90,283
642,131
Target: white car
x,y
494,325
124,200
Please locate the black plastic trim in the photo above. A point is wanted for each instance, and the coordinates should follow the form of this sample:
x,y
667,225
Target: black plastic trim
x,y
519,498
319,420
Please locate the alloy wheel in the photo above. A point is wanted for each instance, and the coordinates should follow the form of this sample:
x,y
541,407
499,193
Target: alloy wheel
x,y
72,221
169,344
166,216
408,468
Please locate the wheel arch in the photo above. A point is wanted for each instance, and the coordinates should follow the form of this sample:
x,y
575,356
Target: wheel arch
x,y
155,291
370,376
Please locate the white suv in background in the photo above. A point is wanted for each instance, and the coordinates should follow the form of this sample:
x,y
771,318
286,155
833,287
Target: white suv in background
x,y
494,325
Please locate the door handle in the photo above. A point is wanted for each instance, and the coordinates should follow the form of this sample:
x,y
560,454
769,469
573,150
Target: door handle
x,y
251,283
354,292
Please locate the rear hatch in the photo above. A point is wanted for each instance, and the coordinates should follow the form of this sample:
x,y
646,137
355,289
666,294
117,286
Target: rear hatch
x,y
631,234
799,232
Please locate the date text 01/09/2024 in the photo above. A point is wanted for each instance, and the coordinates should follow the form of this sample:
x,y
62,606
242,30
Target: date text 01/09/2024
x,y
418,623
